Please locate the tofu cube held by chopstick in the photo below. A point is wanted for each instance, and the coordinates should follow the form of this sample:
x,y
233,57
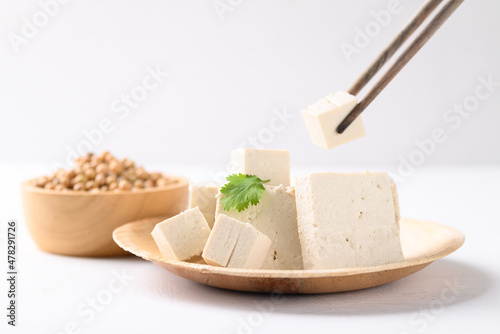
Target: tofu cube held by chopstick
x,y
323,118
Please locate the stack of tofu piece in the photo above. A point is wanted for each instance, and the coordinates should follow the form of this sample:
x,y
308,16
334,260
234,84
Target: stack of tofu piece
x,y
326,221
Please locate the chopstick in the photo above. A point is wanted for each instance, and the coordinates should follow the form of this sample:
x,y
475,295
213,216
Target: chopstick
x,y
403,59
396,43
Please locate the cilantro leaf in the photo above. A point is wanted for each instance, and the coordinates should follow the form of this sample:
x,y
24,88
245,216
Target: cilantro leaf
x,y
242,190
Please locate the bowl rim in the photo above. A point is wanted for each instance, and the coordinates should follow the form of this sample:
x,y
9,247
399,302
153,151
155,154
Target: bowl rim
x,y
28,185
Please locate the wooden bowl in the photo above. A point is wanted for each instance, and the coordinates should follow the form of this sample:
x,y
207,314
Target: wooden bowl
x,y
423,242
82,223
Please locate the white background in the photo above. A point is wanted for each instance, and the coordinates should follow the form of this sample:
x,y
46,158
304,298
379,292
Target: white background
x,y
228,75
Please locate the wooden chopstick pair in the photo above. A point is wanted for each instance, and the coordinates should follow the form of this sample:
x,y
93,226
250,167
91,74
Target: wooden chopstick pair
x,y
448,8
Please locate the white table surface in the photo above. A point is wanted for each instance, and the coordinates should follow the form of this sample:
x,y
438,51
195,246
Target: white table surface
x,y
54,290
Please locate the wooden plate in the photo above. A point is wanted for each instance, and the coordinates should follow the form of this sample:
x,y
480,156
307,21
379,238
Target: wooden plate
x,y
423,242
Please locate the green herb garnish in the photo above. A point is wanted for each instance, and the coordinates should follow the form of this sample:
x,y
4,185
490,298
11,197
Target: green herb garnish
x,y
242,190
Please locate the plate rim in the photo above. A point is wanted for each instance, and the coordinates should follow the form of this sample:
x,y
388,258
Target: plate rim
x,y
459,240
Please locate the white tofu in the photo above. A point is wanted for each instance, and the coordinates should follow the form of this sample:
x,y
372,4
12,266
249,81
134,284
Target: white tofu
x,y
183,236
276,217
323,118
267,164
347,220
235,244
204,197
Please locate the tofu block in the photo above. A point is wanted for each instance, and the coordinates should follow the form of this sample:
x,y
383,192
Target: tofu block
x,y
235,244
276,217
347,220
323,118
181,237
267,164
204,197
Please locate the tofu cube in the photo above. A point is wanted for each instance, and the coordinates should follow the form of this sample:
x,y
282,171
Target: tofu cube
x,y
348,220
204,197
276,217
267,164
235,244
181,237
323,118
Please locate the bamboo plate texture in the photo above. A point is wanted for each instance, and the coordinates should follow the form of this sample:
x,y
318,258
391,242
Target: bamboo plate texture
x,y
423,242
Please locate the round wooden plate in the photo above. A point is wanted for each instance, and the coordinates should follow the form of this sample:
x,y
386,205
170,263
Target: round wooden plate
x,y
423,242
